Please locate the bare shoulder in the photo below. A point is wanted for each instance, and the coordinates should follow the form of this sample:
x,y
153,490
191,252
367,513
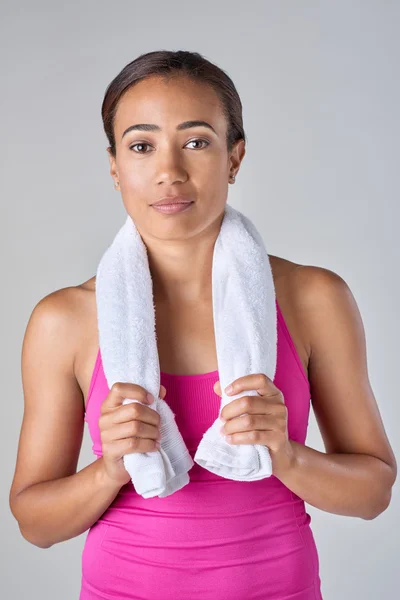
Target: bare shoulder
x,y
61,316
319,295
53,406
322,298
281,267
66,302
302,291
343,400
299,276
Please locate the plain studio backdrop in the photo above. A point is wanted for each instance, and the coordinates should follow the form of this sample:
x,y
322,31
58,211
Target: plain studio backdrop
x,y
320,91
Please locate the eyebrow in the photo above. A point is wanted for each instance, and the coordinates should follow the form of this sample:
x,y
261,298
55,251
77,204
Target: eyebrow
x,y
184,125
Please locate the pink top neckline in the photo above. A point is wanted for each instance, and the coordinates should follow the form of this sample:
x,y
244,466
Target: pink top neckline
x,y
211,374
189,379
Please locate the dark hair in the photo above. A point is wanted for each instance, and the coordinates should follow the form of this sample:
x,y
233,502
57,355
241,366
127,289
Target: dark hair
x,y
166,64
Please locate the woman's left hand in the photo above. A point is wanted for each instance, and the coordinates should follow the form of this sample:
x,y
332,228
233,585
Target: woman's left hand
x,y
265,422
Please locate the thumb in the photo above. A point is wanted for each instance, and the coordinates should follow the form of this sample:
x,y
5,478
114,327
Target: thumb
x,y
217,388
163,391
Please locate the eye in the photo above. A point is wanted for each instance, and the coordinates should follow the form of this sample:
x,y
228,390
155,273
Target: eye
x,y
191,142
199,140
139,144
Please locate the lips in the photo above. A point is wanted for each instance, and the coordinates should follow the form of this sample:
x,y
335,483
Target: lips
x,y
173,208
172,200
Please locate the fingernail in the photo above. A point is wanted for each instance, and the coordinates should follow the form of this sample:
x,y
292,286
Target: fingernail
x,y
229,389
150,398
158,445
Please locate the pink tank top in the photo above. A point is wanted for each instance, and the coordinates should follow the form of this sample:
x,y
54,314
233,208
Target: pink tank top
x,y
214,538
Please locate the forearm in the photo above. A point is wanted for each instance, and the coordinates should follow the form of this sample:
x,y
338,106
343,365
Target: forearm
x,y
356,485
54,511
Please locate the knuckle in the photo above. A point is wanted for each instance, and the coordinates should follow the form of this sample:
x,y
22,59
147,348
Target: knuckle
x,y
135,427
158,419
283,410
245,403
116,388
248,420
254,435
134,410
103,426
133,442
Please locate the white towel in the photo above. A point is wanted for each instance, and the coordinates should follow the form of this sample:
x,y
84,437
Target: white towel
x,y
245,323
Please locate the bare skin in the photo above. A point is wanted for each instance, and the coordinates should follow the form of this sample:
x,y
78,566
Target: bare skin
x,y
172,326
51,501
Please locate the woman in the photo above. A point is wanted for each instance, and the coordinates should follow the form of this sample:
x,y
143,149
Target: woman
x,y
174,125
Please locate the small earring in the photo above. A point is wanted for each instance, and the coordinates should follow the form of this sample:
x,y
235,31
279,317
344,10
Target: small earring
x,y
233,178
116,183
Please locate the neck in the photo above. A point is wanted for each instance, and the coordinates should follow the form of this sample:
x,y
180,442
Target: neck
x,y
181,269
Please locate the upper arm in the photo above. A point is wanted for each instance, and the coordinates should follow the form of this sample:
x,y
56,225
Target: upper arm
x,y
53,419
342,398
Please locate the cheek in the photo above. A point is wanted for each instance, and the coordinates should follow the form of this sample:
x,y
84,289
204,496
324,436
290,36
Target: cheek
x,y
212,183
136,178
215,168
135,188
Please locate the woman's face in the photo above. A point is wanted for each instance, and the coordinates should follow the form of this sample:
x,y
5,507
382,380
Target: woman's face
x,y
192,161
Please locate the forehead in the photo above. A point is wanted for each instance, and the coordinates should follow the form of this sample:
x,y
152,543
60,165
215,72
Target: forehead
x,y
168,103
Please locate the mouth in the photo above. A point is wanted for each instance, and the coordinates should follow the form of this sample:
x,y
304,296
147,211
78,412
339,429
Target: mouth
x,y
172,207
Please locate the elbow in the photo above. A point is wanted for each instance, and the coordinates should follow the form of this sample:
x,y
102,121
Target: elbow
x,y
31,537
26,532
32,540
386,486
381,507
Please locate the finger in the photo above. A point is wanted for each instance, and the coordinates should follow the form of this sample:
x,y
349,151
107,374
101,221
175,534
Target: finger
x,y
163,391
247,423
217,388
262,405
259,382
249,437
119,391
136,429
119,448
134,412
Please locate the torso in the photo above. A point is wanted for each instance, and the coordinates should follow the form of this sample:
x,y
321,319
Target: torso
x,y
185,335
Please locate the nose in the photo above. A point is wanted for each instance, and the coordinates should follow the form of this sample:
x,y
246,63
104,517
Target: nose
x,y
170,168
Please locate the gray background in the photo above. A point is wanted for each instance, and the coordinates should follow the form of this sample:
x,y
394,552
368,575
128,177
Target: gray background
x,y
319,83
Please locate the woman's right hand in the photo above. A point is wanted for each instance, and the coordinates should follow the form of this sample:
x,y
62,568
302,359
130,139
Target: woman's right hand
x,y
127,428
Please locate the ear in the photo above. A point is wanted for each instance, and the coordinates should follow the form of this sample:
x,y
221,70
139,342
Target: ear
x,y
236,156
113,165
